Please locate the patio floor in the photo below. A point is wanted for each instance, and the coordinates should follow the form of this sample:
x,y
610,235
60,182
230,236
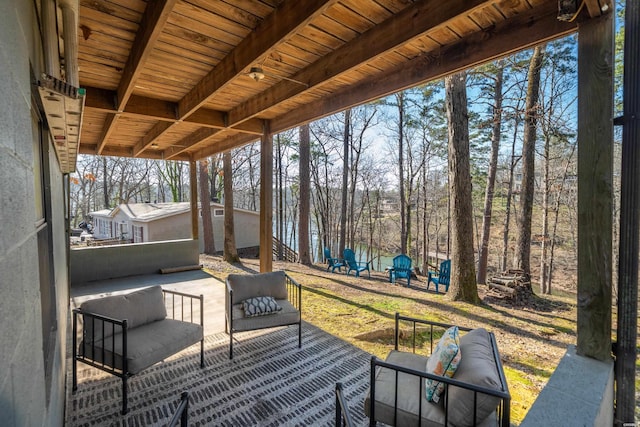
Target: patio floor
x,y
270,381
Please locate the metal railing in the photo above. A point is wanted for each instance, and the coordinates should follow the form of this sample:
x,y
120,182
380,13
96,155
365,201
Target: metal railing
x,y
182,412
343,418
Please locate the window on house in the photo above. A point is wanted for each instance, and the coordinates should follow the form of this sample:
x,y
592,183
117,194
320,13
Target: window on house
x,y
218,212
41,180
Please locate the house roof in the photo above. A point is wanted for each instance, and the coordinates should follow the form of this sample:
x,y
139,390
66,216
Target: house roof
x,y
147,212
170,79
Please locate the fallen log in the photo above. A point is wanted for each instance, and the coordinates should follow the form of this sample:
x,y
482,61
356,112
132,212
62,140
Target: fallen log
x,y
179,269
503,281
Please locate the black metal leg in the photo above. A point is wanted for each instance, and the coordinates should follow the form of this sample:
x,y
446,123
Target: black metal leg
x,y
300,334
75,376
230,344
124,395
202,353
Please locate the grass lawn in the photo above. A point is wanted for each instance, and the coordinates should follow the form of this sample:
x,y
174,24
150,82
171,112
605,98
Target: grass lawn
x,y
361,311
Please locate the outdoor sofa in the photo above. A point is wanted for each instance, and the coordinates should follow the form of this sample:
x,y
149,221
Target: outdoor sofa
x,y
476,395
259,301
125,334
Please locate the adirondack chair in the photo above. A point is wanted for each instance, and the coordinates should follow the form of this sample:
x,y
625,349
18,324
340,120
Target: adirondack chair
x,y
441,278
352,264
333,262
401,269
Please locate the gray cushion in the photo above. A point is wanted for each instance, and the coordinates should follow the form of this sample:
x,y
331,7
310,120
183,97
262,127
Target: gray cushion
x,y
287,316
476,367
138,308
146,345
410,392
245,286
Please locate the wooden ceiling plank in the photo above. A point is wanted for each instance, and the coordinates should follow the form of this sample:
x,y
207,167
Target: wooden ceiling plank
x,y
153,21
520,32
145,142
207,117
396,31
285,20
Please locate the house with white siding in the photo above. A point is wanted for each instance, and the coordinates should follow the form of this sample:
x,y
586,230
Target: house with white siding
x,y
153,222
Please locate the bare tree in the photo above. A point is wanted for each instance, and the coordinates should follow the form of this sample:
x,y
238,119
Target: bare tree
x,y
345,179
523,246
230,253
463,275
303,224
205,208
491,176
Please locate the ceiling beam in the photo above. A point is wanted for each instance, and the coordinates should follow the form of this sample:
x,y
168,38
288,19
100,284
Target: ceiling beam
x,y
126,152
225,145
155,16
108,127
148,139
396,31
157,109
153,21
598,7
285,20
520,32
188,142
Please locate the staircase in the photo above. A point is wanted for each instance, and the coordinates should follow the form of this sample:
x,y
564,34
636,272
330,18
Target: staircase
x,y
282,252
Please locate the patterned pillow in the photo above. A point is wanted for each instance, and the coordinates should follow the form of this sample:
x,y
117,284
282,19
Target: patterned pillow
x,y
259,306
443,361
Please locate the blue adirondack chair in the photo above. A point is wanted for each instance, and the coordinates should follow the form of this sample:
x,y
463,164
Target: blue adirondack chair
x,y
352,264
401,269
333,263
441,278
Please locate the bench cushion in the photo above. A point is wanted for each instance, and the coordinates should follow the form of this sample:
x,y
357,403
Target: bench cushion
x,y
410,392
146,345
476,367
246,286
289,315
138,308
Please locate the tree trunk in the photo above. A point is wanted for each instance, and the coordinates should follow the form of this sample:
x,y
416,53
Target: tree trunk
x,y
491,177
403,200
523,246
463,275
230,252
303,224
205,208
279,186
509,197
544,265
345,180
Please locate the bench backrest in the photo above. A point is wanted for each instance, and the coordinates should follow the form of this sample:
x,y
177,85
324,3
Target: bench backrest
x,y
138,308
246,286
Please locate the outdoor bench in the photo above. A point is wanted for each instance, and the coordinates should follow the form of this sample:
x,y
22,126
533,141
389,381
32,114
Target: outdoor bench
x,y
259,301
476,395
125,334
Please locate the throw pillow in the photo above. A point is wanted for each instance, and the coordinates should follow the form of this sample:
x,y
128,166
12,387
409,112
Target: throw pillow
x,y
443,361
259,306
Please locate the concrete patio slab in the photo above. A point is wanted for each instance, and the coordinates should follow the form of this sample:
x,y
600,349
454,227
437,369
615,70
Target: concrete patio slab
x,y
195,282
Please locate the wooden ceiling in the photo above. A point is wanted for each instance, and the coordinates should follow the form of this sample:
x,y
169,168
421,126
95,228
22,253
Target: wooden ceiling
x,y
168,79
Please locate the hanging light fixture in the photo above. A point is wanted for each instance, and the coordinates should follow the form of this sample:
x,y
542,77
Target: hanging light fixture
x,y
256,73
